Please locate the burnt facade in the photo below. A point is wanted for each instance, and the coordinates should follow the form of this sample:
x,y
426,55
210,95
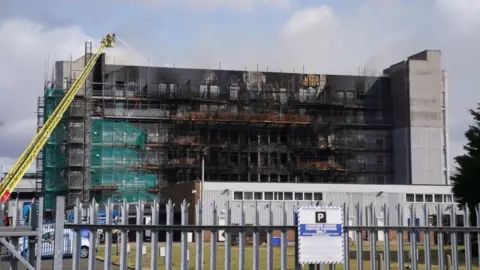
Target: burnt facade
x,y
252,126
134,129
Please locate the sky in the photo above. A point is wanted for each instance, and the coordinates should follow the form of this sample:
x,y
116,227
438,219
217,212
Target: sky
x,y
334,37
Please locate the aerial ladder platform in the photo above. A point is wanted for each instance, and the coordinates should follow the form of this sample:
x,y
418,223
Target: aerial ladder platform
x,y
26,159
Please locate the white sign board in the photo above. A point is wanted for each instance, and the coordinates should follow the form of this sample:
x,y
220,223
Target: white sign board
x,y
320,235
162,252
189,237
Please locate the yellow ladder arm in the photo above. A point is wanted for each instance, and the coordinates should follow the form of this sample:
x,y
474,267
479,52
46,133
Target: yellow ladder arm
x,y
21,166
22,157
28,156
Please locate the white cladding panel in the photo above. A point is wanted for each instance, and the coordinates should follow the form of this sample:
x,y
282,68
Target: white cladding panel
x,y
222,195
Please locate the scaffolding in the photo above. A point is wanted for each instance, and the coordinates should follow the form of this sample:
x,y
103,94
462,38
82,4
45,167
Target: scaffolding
x,y
39,159
54,156
150,127
115,147
256,126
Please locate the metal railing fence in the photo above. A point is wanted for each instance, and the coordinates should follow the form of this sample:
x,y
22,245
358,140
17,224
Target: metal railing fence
x,y
245,236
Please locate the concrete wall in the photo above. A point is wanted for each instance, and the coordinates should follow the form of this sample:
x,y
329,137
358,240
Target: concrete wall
x,y
445,145
184,191
68,70
26,185
425,79
417,88
401,120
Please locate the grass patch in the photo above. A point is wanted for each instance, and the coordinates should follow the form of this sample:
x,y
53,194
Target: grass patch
x,y
277,257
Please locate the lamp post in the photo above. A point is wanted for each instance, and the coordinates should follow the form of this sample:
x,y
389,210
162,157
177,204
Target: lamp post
x,y
202,178
203,153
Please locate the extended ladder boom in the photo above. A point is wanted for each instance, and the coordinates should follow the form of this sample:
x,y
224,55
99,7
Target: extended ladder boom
x,y
17,172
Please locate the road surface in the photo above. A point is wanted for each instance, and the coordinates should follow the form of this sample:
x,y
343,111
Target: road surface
x,y
67,264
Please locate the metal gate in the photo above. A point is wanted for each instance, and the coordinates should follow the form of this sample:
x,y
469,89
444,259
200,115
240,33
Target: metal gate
x,y
257,235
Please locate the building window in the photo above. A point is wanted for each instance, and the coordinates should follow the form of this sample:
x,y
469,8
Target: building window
x,y
288,196
448,198
162,88
428,198
277,196
380,179
360,118
214,90
361,180
238,195
234,92
340,94
283,95
203,89
418,197
348,119
410,198
438,198
380,160
379,143
173,89
361,137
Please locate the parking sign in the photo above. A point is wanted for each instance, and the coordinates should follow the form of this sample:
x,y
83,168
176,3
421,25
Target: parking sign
x,y
320,235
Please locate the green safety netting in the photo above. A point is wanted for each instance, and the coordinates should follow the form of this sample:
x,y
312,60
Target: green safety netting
x,y
114,156
113,165
122,178
54,156
108,132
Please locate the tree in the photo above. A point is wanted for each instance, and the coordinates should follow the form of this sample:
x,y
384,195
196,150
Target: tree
x,y
466,180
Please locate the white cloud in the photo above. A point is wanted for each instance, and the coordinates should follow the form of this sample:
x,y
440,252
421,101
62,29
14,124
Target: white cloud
x,y
462,13
378,34
319,38
239,5
383,32
243,5
25,48
324,41
310,21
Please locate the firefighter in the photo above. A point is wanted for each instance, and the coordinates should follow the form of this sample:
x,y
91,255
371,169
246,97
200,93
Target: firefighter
x,y
6,221
110,40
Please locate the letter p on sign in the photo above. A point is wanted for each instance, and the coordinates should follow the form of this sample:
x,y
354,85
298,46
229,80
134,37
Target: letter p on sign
x,y
321,217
